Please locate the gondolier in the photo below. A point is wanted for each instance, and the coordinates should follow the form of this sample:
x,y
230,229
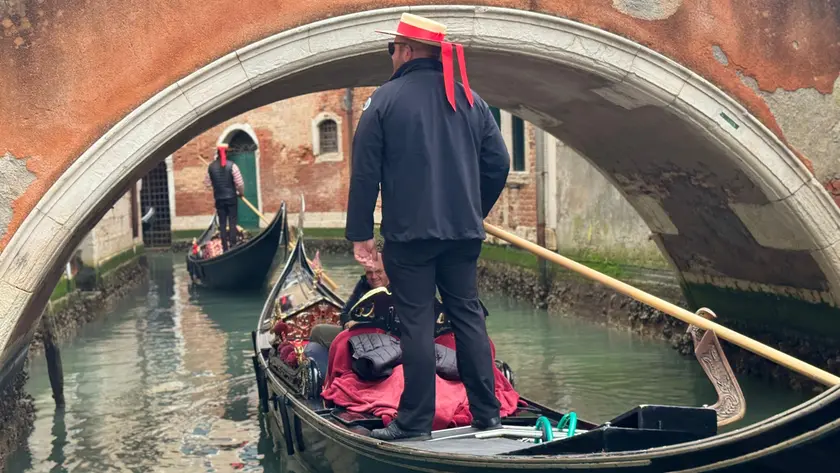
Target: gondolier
x,y
227,184
435,149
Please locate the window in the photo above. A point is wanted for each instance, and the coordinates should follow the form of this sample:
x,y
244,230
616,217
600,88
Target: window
x,y
497,115
518,126
327,137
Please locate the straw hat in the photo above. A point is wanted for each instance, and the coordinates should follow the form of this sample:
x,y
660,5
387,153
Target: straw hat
x,y
419,29
428,31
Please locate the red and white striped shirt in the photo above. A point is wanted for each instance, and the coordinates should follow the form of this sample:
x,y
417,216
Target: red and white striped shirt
x,y
237,179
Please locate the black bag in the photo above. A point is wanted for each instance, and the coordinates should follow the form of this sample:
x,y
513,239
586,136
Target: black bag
x,y
375,355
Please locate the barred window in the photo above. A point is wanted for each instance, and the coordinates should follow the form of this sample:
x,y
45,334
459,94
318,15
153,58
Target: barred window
x,y
328,137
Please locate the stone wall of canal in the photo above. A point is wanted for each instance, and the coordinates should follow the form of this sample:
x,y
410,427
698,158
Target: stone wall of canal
x,y
80,307
67,315
574,295
17,412
569,294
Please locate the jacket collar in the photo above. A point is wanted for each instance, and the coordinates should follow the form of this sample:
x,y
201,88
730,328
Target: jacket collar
x,y
418,65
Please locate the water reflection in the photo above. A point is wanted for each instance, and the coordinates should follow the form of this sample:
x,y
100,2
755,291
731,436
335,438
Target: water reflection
x,y
165,382
570,363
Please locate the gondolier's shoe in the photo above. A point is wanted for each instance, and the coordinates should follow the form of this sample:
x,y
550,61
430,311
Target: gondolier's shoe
x,y
493,423
394,432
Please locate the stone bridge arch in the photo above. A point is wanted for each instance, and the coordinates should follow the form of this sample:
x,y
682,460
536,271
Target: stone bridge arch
x,y
730,204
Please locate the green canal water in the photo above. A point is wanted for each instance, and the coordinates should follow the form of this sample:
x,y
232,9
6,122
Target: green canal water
x,y
165,381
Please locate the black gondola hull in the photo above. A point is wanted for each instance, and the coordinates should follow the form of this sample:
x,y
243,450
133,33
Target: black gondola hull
x,y
327,450
245,266
804,438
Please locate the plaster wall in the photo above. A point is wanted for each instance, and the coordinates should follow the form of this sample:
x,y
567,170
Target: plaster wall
x,y
592,216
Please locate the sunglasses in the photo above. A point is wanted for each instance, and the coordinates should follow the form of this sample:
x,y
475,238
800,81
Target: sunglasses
x,y
392,46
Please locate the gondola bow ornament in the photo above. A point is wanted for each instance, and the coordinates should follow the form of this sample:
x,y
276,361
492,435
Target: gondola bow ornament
x,y
731,405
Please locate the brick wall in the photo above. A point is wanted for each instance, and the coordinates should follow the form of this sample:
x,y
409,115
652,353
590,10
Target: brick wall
x,y
516,209
288,166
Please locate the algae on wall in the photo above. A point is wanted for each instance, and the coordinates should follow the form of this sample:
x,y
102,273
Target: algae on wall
x,y
594,220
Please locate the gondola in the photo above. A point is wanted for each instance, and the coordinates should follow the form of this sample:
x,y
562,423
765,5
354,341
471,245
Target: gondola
x,y
246,265
646,438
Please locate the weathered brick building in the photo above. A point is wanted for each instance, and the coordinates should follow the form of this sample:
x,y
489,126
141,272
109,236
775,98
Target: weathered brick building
x,y
303,146
296,146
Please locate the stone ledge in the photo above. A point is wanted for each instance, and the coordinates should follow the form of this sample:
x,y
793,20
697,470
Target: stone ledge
x,y
215,84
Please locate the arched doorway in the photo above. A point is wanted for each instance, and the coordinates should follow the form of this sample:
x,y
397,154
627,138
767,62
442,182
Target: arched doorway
x,y
242,150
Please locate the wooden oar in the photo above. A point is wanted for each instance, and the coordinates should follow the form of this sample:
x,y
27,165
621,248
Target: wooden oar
x,y
327,279
732,336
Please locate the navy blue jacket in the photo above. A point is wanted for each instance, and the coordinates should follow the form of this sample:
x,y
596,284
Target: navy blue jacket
x,y
441,171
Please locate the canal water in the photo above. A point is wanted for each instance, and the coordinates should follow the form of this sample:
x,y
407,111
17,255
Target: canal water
x,y
165,381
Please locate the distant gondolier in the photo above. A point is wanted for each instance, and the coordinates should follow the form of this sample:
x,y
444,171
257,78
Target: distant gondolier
x,y
227,184
435,149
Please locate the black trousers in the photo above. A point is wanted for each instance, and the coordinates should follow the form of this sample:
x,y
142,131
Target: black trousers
x,y
226,210
414,269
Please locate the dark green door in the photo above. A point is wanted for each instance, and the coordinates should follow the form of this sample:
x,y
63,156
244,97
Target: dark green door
x,y
242,151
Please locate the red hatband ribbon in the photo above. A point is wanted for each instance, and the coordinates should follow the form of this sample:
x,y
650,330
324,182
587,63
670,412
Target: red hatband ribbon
x,y
414,32
223,155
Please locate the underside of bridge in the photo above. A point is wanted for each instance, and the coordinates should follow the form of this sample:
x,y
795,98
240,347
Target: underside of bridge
x,y
746,226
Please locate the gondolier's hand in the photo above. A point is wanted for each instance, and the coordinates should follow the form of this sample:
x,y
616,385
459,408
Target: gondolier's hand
x,y
365,253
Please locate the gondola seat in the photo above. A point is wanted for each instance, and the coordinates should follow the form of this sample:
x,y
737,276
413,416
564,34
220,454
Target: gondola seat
x,y
306,371
380,397
312,375
318,353
313,370
507,371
